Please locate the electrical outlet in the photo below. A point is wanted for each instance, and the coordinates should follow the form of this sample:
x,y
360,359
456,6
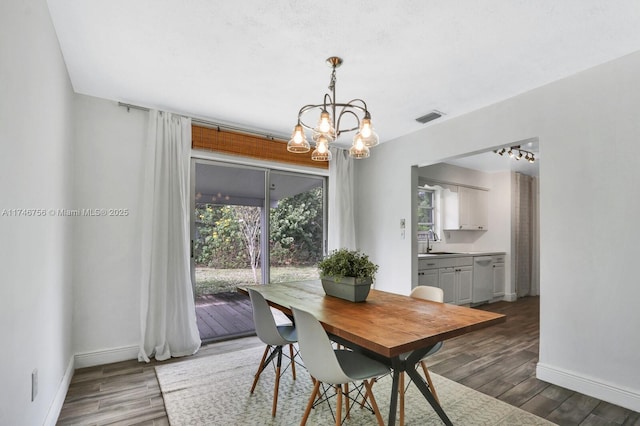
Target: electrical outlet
x,y
34,384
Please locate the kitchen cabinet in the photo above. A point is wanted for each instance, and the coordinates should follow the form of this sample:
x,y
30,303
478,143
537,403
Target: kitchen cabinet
x,y
428,277
464,284
447,282
453,275
457,284
498,276
465,209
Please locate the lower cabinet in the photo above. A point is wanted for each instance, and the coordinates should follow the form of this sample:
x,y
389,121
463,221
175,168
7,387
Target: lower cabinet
x,y
428,277
447,282
498,276
464,284
453,275
456,282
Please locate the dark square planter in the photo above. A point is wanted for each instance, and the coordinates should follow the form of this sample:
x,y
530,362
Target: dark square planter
x,y
347,288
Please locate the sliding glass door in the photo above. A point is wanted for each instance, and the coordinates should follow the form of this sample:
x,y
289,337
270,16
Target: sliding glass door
x,y
250,226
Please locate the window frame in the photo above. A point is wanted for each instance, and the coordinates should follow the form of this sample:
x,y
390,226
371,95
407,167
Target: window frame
x,y
428,225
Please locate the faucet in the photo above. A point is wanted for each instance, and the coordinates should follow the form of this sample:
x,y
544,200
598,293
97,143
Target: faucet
x,y
430,237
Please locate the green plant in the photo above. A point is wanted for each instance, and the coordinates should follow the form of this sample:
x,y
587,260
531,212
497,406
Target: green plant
x,y
347,263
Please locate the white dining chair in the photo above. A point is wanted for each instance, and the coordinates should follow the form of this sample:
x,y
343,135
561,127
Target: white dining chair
x,y
275,337
336,367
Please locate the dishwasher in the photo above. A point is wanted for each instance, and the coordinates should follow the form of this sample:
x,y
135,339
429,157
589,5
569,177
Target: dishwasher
x,y
482,279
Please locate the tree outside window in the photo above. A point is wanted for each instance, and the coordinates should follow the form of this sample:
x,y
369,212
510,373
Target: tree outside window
x,y
426,212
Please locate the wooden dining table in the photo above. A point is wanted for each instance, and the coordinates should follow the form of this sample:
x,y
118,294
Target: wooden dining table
x,y
385,326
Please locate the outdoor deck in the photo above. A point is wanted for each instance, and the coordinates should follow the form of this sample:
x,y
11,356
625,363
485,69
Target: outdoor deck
x,y
224,316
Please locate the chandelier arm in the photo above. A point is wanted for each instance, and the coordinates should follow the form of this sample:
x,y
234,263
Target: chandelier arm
x,y
344,112
331,100
362,108
304,110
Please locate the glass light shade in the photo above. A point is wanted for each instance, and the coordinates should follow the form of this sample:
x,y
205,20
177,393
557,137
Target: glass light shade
x,y
359,149
369,136
324,128
321,153
298,142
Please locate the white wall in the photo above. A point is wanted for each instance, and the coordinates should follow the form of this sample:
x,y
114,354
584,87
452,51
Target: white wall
x,y
35,173
106,275
589,132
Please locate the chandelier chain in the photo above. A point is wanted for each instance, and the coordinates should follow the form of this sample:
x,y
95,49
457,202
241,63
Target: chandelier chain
x,y
332,83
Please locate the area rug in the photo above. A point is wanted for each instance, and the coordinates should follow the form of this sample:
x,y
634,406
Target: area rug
x,y
214,390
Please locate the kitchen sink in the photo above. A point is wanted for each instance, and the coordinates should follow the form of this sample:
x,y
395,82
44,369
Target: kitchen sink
x,y
441,252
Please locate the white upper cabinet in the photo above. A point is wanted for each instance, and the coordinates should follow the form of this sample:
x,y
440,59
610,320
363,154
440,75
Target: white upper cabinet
x,y
466,209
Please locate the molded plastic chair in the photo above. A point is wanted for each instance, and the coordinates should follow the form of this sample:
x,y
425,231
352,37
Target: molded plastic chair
x,y
275,337
434,294
335,367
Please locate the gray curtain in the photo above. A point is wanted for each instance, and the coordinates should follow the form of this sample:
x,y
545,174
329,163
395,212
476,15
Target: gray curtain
x,y
525,252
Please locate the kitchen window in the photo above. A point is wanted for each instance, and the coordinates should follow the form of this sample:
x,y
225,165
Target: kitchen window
x,y
426,212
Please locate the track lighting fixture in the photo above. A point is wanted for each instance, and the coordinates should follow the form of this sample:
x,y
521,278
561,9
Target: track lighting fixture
x,y
521,153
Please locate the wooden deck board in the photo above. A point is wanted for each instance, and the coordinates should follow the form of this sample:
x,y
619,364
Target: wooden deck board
x,y
224,316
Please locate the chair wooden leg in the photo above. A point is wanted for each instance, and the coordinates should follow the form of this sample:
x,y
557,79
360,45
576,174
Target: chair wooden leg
x,y
346,400
374,405
339,405
260,367
428,377
401,390
312,399
293,363
364,399
276,386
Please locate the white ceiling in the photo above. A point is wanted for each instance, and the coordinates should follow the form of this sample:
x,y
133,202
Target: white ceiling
x,y
491,162
254,63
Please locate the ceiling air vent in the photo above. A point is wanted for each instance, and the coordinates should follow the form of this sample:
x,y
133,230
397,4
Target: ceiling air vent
x,y
429,117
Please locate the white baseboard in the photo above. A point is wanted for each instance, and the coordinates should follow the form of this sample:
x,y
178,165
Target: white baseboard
x,y
510,297
107,356
58,401
626,398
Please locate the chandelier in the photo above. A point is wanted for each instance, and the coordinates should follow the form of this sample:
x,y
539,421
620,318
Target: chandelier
x,y
328,127
522,153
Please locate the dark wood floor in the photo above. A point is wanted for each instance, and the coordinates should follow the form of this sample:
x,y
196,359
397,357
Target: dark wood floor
x,y
499,361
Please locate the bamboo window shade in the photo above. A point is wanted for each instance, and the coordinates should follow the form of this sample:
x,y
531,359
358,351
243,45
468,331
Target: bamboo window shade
x,y
236,143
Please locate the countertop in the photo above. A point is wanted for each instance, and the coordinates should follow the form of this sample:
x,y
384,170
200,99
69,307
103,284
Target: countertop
x,y
461,254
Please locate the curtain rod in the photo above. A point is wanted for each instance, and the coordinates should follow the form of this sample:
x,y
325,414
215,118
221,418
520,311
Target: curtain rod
x,y
212,124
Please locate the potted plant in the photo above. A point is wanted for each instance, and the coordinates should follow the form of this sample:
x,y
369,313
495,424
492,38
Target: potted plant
x,y
347,274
